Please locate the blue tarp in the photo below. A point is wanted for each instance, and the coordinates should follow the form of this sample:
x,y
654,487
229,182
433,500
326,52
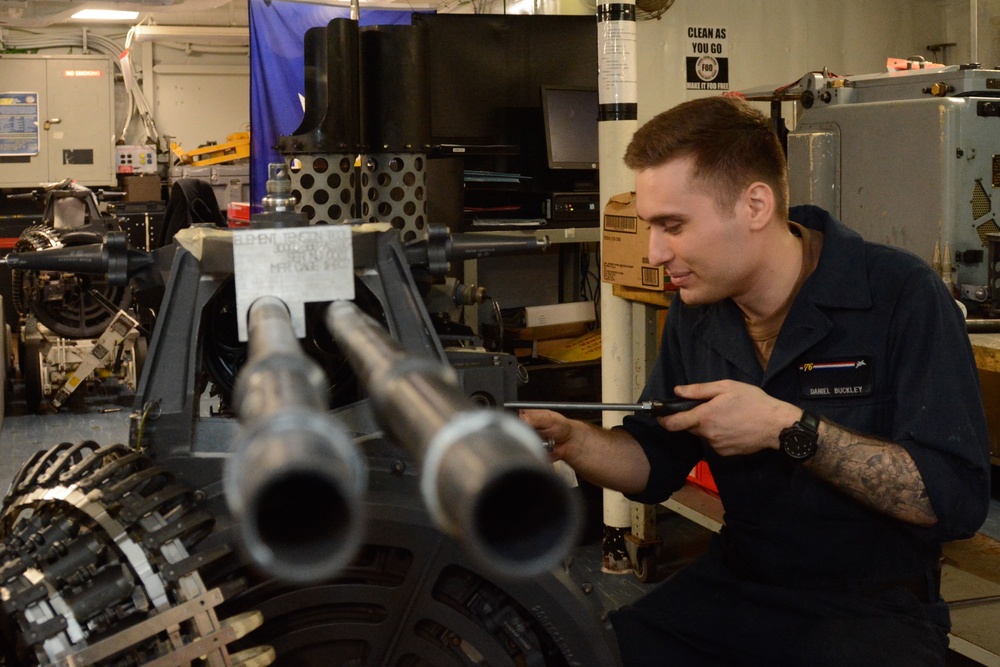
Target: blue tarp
x,y
277,30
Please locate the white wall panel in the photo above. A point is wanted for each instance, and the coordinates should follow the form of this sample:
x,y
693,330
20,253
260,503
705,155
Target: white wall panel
x,y
775,41
202,105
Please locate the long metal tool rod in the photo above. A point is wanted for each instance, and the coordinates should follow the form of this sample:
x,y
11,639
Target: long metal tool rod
x,y
654,408
485,477
295,480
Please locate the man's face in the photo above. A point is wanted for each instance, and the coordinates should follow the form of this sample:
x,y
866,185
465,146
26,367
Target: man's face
x,y
704,250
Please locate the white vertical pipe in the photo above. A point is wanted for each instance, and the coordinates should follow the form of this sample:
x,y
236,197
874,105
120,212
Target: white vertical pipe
x,y
618,95
973,31
149,91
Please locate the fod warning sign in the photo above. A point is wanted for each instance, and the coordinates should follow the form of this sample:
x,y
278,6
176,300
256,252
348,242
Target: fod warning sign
x,y
707,58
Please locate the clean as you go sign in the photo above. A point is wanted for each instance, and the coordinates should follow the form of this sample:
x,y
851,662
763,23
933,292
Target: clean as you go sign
x,y
707,58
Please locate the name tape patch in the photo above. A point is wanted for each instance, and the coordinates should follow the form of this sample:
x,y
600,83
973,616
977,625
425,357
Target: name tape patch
x,y
845,378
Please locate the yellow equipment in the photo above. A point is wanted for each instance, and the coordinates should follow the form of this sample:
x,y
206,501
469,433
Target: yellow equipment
x,y
236,146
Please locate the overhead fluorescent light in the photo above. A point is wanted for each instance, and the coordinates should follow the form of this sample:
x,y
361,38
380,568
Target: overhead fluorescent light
x,y
105,15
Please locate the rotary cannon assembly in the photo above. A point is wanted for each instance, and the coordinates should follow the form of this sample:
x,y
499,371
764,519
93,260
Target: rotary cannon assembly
x,y
414,525
355,496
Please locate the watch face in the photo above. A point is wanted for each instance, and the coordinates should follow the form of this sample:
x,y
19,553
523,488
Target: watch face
x,y
798,443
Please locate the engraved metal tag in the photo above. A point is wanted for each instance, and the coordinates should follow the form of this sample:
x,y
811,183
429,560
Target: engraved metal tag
x,y
299,265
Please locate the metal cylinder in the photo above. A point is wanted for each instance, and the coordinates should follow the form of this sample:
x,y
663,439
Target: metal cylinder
x,y
395,107
315,79
67,558
279,190
325,187
295,480
332,118
396,127
279,202
110,587
485,477
322,151
982,325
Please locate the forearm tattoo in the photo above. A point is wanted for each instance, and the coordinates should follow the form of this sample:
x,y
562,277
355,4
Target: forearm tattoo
x,y
881,475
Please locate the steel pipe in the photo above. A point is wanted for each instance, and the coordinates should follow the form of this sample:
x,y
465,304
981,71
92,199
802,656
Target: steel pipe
x,y
187,33
485,477
982,326
295,480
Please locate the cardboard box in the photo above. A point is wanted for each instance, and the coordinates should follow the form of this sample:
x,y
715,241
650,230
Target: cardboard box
x,y
559,313
624,248
550,332
141,187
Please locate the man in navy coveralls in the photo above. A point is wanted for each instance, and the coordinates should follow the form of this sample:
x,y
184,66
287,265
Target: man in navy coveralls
x,y
842,421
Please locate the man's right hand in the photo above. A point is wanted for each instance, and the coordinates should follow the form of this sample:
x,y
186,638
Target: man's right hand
x,y
553,428
610,459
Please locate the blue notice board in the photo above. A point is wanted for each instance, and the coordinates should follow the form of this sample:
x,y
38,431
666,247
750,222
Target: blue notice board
x,y
18,124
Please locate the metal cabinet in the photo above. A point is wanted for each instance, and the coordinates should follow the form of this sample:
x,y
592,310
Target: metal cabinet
x,y
908,158
56,119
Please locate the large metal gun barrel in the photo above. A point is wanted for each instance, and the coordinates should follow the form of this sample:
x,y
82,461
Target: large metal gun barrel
x,y
295,480
441,247
112,258
485,477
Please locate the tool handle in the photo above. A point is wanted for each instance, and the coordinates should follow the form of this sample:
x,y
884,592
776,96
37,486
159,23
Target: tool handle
x,y
672,406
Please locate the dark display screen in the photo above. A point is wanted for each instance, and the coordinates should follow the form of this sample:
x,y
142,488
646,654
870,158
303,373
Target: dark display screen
x,y
570,127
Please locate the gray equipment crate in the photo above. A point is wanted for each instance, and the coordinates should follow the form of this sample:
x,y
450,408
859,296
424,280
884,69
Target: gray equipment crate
x,y
230,182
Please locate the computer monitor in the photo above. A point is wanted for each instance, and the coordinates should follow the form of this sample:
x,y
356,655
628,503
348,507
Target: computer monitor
x,y
570,127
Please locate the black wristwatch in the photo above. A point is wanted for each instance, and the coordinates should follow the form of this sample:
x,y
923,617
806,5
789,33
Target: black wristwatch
x,y
798,441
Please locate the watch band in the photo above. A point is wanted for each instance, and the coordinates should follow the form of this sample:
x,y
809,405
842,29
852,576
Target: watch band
x,y
810,421
800,440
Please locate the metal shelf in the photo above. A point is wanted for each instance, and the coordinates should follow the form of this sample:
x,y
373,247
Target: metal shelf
x,y
556,235
569,235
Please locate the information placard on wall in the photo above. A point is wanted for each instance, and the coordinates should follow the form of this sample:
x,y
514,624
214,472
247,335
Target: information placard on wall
x,y
707,58
18,124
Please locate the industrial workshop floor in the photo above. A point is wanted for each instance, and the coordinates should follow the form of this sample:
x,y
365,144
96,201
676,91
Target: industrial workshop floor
x,y
972,568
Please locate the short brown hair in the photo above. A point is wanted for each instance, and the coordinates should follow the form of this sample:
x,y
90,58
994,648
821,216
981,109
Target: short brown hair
x,y
732,145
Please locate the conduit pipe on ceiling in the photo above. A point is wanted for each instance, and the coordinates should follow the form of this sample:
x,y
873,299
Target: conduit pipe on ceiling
x,y
187,33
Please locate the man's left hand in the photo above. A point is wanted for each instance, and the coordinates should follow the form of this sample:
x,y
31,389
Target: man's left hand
x,y
737,418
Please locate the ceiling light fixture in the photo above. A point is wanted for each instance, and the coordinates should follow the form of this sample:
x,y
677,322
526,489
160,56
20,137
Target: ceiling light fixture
x,y
105,15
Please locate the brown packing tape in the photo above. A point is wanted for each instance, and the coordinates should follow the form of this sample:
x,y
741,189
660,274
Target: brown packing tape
x,y
622,198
